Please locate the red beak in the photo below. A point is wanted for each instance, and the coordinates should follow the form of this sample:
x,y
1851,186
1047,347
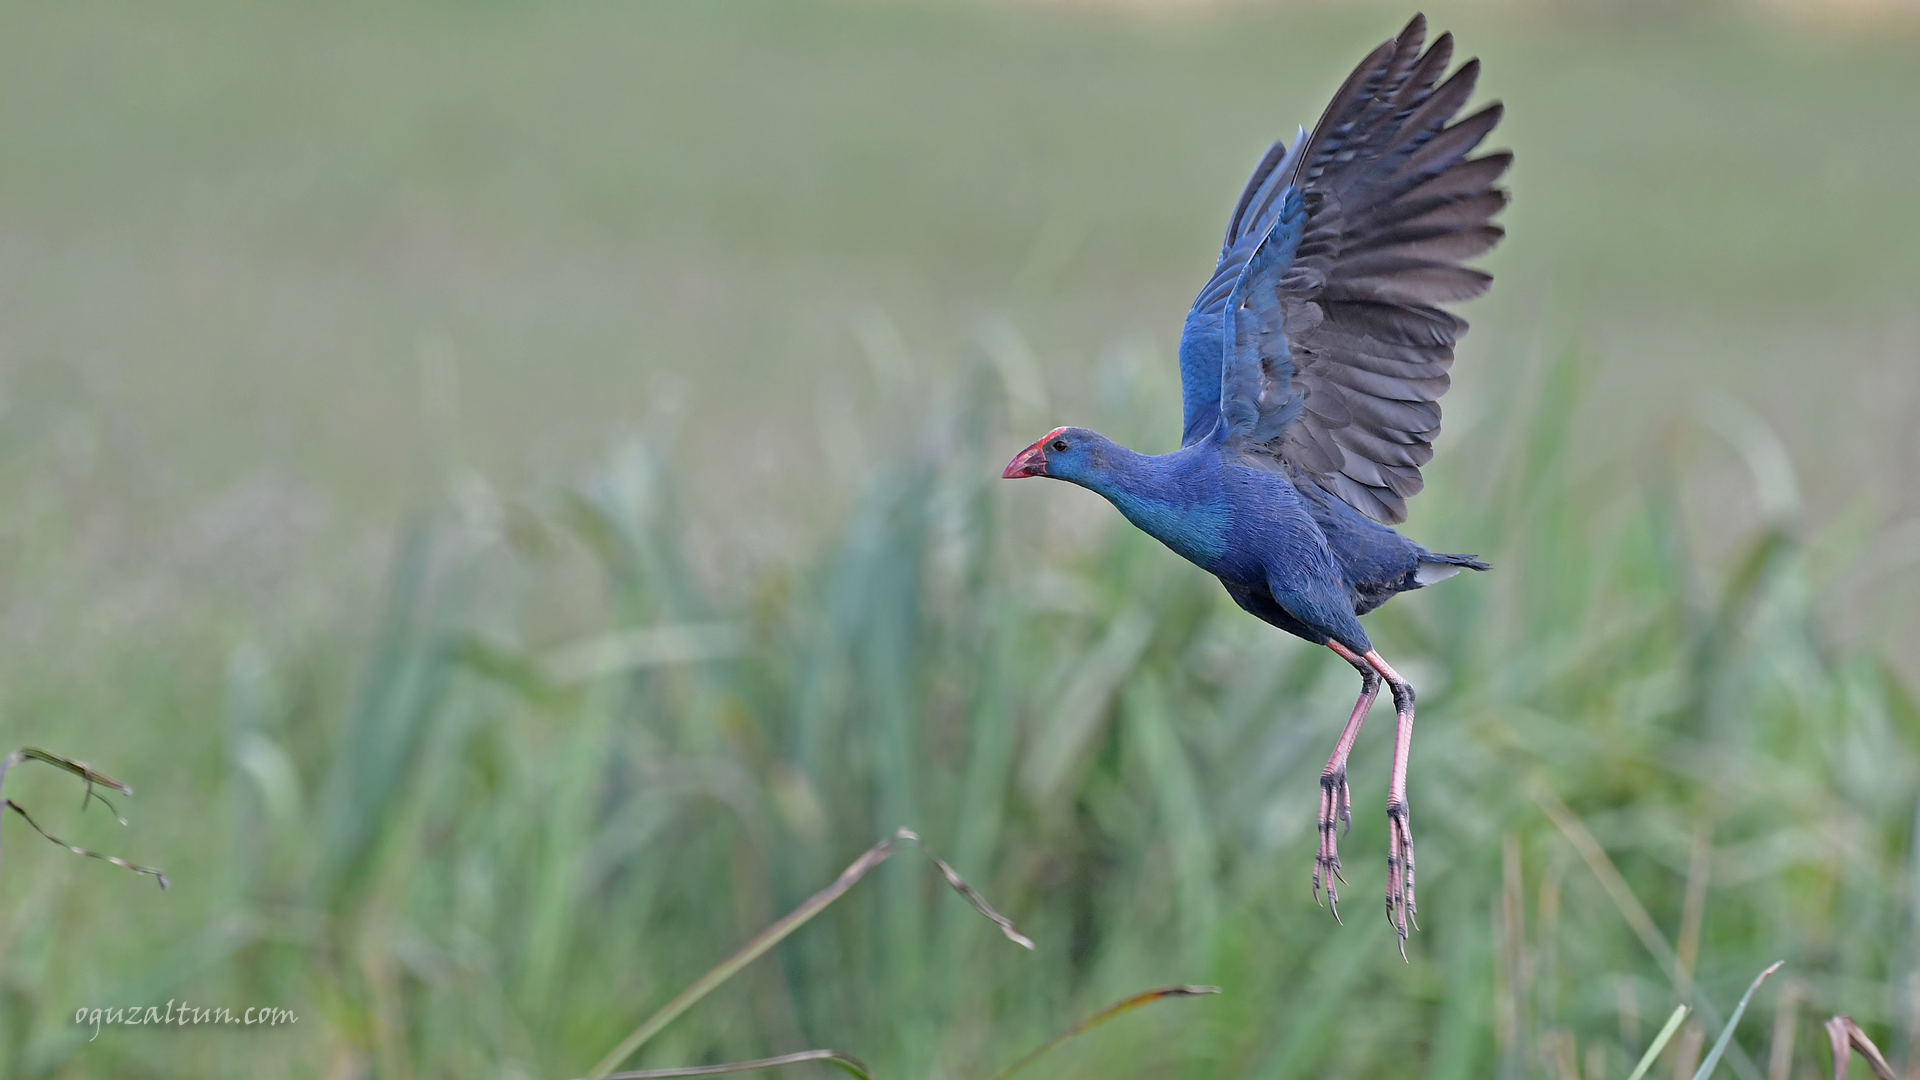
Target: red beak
x,y
1030,462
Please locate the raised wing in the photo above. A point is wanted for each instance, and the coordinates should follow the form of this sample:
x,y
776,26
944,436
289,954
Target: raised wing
x,y
1335,351
1200,351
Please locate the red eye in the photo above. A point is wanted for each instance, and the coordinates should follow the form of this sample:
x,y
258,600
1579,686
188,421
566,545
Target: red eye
x,y
1060,445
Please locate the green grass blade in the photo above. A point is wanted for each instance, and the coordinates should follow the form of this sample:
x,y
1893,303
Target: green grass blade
x,y
1296,1036
1629,906
1597,860
1659,1042
1726,1033
1145,997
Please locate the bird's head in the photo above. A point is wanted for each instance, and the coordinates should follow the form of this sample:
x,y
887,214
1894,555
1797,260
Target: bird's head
x,y
1073,454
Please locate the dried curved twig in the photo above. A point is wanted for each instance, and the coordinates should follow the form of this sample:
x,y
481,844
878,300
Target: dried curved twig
x,y
93,779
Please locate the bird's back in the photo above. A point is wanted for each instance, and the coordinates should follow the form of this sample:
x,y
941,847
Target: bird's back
x,y
1375,561
1283,528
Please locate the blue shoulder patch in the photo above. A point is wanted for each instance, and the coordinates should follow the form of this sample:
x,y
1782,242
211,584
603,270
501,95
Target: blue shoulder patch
x,y
1200,358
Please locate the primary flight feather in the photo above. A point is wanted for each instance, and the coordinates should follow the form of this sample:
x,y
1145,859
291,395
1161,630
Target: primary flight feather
x,y
1311,369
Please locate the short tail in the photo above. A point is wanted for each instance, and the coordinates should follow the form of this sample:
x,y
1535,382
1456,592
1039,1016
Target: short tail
x,y
1436,566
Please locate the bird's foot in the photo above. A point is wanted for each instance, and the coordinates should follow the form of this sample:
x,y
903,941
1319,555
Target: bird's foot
x,y
1402,912
1336,810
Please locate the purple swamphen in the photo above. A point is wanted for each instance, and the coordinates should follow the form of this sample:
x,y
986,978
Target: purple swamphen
x,y
1312,366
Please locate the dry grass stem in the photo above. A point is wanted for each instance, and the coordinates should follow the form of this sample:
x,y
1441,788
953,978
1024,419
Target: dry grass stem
x,y
847,1062
1846,1038
792,921
1125,1005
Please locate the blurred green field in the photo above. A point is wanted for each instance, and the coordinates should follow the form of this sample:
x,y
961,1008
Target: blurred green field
x,y
511,486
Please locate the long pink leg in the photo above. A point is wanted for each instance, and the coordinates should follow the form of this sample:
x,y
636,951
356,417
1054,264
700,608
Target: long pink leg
x,y
1336,803
1402,912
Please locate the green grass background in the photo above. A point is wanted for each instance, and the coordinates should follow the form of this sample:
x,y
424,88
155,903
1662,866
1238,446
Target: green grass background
x,y
511,486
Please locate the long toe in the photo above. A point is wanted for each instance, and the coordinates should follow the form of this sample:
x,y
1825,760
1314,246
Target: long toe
x,y
1402,911
1334,808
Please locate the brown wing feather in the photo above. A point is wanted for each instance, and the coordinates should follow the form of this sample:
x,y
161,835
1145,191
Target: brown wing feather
x,y
1394,205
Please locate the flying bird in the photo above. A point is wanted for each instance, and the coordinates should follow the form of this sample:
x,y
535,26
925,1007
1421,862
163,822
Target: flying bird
x,y
1311,370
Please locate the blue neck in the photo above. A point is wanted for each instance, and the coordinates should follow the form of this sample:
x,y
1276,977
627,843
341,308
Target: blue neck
x,y
1157,495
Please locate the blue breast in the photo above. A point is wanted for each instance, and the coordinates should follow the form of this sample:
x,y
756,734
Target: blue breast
x,y
1196,529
